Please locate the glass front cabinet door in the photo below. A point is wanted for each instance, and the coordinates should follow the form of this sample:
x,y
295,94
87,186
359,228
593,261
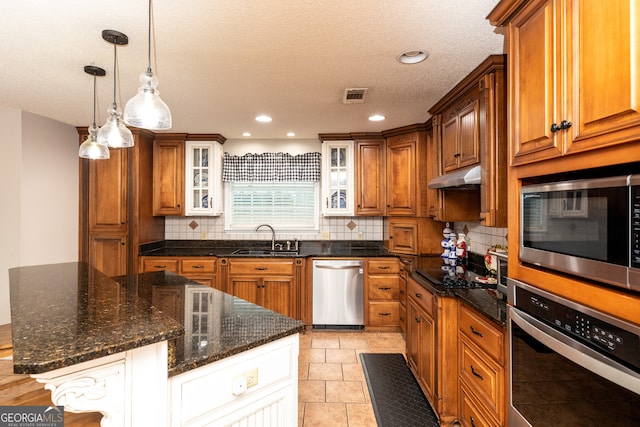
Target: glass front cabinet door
x,y
203,180
337,178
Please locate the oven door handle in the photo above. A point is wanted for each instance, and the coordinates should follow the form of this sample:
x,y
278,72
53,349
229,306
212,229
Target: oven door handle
x,y
576,351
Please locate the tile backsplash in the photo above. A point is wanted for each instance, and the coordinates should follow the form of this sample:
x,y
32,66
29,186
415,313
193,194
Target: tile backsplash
x,y
331,228
479,238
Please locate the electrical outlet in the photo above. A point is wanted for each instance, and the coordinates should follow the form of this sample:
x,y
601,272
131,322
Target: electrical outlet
x,y
252,377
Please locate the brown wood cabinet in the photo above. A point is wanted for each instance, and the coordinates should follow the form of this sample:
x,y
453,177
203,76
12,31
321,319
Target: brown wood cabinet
x,y
432,347
382,291
573,73
370,177
202,270
470,128
414,236
268,282
168,174
408,164
481,370
115,206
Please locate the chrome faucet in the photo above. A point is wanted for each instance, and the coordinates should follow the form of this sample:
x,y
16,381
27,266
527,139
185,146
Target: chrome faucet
x,y
273,235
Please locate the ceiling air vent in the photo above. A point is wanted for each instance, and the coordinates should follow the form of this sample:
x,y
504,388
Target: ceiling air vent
x,y
354,95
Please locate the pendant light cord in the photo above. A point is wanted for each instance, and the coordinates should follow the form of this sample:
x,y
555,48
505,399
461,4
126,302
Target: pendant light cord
x,y
149,37
94,101
115,73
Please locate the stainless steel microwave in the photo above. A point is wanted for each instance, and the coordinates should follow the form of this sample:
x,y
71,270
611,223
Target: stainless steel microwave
x,y
589,228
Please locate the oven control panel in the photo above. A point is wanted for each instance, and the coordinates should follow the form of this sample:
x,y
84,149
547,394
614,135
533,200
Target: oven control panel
x,y
594,330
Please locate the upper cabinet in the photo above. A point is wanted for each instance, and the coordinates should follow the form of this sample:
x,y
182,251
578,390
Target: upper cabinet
x,y
370,179
203,178
187,174
461,134
470,128
573,75
338,178
168,174
408,165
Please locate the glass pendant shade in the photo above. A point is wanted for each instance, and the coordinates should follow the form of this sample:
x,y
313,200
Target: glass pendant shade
x,y
146,109
114,133
91,148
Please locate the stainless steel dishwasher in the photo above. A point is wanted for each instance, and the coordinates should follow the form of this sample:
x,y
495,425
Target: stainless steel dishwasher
x,y
338,294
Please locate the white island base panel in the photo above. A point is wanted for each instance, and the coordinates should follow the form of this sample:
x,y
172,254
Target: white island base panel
x,y
129,388
132,388
257,387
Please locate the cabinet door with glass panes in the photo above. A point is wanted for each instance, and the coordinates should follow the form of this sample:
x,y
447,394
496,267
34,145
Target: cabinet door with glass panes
x,y
203,178
337,178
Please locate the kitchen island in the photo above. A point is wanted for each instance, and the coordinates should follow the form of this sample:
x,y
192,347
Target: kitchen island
x,y
153,348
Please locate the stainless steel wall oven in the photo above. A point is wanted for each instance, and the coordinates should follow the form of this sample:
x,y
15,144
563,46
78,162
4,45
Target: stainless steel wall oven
x,y
569,364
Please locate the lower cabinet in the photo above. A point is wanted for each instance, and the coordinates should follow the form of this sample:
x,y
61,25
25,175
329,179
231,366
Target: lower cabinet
x,y
269,282
256,387
108,253
382,291
481,361
432,347
199,269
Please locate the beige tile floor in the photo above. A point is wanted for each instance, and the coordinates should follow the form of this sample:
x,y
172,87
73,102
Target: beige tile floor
x,y
332,390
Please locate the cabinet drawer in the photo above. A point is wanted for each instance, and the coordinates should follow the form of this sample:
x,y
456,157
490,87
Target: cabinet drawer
x,y
483,376
485,335
159,264
384,287
198,266
470,413
261,266
384,313
383,266
420,295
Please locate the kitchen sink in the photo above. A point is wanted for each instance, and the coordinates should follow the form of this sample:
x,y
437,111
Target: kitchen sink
x,y
262,252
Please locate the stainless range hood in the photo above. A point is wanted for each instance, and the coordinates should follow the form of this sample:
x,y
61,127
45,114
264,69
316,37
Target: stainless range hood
x,y
463,179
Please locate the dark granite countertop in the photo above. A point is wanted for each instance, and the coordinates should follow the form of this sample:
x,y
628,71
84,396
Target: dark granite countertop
x,y
490,302
226,248
217,325
64,314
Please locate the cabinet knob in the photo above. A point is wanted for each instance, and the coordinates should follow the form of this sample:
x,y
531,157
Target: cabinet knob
x,y
563,125
122,221
418,295
122,243
456,154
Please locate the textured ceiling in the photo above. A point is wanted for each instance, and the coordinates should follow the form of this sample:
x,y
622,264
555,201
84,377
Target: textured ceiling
x,y
222,62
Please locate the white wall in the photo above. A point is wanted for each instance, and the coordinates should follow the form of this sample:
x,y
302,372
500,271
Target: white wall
x,y
39,190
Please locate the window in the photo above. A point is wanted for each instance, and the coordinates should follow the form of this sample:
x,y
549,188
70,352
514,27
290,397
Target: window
x,y
284,205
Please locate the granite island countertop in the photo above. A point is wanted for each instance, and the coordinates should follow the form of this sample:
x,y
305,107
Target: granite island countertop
x,y
65,314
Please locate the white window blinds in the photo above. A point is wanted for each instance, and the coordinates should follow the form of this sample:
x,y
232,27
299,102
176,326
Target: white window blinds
x,y
283,205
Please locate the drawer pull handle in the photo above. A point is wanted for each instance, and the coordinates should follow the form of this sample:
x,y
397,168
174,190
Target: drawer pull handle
x,y
384,267
418,295
473,422
198,266
159,266
417,319
261,268
384,314
476,332
385,289
474,372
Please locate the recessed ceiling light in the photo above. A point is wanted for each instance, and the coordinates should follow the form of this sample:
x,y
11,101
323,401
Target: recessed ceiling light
x,y
263,119
246,133
377,118
291,134
413,56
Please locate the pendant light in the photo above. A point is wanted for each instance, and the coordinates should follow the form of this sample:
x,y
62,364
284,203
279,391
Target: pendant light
x,y
91,148
146,109
114,133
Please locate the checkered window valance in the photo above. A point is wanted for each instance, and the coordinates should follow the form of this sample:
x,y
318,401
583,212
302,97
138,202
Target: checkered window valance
x,y
268,167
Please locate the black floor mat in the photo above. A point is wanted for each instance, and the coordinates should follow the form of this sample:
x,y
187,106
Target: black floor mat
x,y
397,398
